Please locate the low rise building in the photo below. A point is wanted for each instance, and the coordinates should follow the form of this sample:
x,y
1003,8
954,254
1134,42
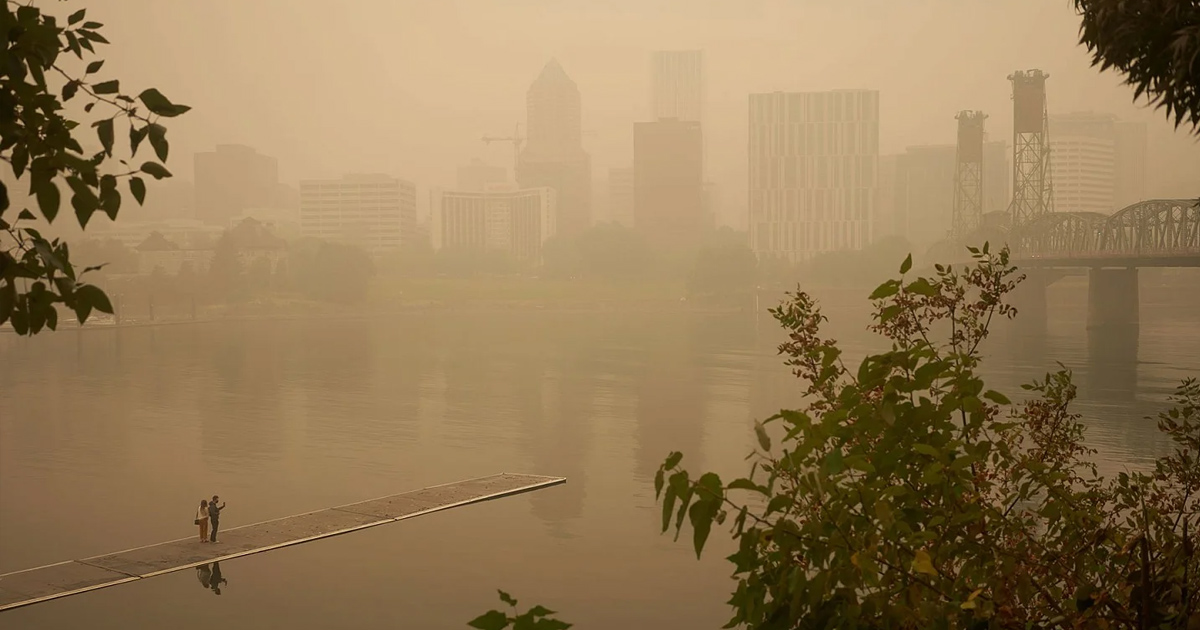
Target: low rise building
x,y
375,212
500,218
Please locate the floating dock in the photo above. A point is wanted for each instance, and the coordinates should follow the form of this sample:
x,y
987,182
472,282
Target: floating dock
x,y
31,586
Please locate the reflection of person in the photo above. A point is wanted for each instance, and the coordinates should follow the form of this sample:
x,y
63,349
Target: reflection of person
x,y
217,580
202,520
204,574
214,517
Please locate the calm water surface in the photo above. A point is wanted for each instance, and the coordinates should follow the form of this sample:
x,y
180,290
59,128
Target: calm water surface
x,y
109,439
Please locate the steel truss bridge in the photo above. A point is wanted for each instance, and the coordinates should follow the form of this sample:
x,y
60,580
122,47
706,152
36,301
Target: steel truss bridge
x,y
1153,233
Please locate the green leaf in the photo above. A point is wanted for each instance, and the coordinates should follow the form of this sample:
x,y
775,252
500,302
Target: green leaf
x,y
926,449
138,187
746,484
48,200
110,198
94,67
539,611
491,620
136,136
95,297
155,170
85,203
906,265
8,299
764,440
887,289
159,104
507,599
26,215
659,478
922,563
997,397
158,140
833,462
76,16
673,460
921,286
104,129
107,87
69,89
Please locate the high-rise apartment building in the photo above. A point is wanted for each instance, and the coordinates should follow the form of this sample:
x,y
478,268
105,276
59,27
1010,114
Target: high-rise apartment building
x,y
232,179
478,175
499,219
620,196
1098,163
554,157
677,84
375,212
916,190
813,172
668,183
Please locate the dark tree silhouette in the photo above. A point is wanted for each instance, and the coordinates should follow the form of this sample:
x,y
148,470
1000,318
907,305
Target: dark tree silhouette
x,y
1155,44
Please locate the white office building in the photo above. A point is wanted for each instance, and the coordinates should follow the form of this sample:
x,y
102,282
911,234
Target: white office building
x,y
814,160
375,212
1098,162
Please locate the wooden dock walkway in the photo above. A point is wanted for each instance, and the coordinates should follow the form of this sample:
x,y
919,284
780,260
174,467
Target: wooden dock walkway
x,y
30,586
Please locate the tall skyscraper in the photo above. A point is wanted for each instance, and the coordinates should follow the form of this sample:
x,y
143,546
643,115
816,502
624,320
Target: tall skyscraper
x,y
668,184
554,157
677,79
231,180
1098,162
375,212
814,161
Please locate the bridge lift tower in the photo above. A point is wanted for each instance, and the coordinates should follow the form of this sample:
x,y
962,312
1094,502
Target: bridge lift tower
x,y
968,174
1032,186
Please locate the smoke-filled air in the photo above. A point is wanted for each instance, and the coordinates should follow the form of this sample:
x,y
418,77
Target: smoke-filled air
x,y
638,314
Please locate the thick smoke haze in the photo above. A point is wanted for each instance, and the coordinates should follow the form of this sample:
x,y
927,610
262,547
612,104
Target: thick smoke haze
x,y
409,87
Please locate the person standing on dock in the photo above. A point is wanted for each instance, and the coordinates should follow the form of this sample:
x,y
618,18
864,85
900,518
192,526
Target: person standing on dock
x,y
202,520
214,517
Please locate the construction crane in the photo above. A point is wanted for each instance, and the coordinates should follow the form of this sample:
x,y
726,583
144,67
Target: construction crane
x,y
516,141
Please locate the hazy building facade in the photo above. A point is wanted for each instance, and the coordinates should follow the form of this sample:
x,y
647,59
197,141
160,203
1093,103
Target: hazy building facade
x,y
668,182
514,221
677,85
1098,162
929,192
813,172
375,212
478,175
232,179
916,190
620,196
554,157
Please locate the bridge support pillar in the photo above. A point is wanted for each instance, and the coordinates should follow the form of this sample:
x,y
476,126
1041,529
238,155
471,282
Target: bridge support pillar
x,y
1113,298
1029,298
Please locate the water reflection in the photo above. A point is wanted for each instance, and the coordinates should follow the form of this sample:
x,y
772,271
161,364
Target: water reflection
x,y
211,577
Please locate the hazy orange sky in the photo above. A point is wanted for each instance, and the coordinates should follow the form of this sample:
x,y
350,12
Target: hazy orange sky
x,y
408,87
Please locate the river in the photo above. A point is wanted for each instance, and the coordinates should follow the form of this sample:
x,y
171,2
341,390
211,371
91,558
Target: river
x,y
109,438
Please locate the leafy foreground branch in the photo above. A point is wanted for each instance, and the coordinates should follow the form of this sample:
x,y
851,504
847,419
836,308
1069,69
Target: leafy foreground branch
x,y
907,495
39,142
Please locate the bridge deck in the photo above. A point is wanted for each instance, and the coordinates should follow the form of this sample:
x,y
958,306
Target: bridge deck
x,y
72,577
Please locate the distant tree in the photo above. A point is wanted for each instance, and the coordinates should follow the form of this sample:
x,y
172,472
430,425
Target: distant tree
x,y
867,266
1155,44
613,253
41,145
333,272
463,262
226,272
